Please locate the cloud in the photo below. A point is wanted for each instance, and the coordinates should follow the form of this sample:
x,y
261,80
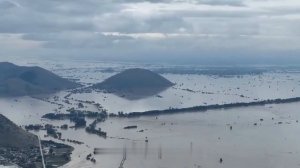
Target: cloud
x,y
122,29
222,2
7,5
12,41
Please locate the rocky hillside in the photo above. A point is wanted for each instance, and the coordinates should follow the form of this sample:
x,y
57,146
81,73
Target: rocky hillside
x,y
14,136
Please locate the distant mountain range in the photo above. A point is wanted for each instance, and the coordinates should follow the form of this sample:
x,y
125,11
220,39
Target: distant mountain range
x,y
21,81
135,83
14,136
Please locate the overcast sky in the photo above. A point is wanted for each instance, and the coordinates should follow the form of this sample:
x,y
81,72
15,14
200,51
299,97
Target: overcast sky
x,y
166,30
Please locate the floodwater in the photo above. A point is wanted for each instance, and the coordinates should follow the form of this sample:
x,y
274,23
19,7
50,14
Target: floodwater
x,y
190,140
261,136
201,139
204,90
190,89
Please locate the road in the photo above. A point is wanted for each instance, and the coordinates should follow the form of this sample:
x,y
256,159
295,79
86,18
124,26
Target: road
x,y
41,150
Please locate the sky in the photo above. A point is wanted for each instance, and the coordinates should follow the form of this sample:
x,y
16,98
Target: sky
x,y
195,31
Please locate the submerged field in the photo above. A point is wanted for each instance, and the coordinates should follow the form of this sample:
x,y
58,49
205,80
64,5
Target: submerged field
x,y
264,136
257,136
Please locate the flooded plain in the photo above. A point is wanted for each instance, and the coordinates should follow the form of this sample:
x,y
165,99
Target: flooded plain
x,y
201,139
261,136
258,136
